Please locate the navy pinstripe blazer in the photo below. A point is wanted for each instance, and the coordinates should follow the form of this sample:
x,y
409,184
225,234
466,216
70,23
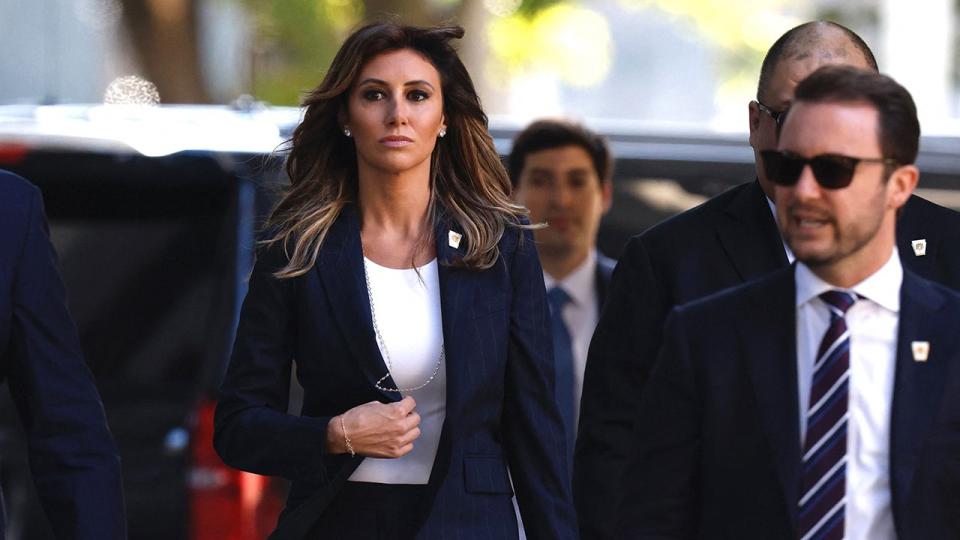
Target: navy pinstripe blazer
x,y
500,379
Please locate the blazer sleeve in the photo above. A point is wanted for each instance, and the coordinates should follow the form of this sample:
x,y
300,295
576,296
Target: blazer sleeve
x,y
252,430
661,481
75,465
622,354
533,429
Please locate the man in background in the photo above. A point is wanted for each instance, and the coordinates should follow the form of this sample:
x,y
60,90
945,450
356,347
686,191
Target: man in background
x,y
727,241
73,459
562,172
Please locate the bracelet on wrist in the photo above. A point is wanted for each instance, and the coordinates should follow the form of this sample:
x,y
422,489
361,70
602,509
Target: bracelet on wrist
x,y
346,438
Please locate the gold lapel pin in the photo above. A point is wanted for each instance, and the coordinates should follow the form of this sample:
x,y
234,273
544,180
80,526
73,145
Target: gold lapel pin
x,y
921,350
453,239
919,247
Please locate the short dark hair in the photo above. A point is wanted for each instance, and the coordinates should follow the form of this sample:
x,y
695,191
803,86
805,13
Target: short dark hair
x,y
548,134
801,41
898,130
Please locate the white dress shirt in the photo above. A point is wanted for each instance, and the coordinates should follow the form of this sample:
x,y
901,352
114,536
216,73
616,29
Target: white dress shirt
x,y
872,322
407,308
581,315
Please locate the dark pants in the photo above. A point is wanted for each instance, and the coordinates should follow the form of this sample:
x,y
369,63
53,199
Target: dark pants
x,y
362,510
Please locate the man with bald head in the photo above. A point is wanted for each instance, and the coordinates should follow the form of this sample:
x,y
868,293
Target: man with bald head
x,y
729,240
790,59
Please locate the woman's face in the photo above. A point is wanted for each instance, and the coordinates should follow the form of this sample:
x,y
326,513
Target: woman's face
x,y
395,112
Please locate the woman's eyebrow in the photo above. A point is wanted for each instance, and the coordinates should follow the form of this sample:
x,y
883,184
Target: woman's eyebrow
x,y
384,83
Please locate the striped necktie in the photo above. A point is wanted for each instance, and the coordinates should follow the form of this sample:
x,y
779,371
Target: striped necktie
x,y
823,474
563,354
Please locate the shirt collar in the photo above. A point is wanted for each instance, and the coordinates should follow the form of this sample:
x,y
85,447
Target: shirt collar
x,y
578,284
881,287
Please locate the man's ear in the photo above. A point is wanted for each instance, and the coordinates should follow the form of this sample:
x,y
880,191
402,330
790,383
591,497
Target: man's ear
x,y
753,111
607,195
902,182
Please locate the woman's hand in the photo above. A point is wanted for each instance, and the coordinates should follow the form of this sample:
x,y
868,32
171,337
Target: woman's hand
x,y
380,430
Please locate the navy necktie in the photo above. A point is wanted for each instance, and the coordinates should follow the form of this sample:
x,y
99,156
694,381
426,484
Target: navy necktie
x,y
823,474
563,355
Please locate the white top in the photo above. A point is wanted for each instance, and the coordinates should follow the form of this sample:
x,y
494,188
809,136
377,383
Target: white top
x,y
872,322
408,316
776,219
581,315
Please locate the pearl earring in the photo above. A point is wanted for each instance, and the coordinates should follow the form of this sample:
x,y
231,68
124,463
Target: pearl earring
x,y
347,132
443,132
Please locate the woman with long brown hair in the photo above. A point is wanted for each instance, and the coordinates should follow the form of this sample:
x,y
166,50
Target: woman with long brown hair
x,y
405,284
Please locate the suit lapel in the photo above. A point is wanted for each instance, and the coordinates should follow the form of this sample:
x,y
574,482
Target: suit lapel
x,y
340,265
457,286
912,226
749,235
918,386
456,298
768,337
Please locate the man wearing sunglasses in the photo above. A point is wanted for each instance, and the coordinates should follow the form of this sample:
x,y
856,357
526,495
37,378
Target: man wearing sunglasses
x,y
822,400
727,241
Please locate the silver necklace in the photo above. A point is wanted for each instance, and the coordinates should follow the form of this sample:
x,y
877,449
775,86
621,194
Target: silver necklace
x,y
383,345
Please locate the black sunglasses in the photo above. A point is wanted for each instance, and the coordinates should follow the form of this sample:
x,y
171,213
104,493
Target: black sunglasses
x,y
832,171
777,116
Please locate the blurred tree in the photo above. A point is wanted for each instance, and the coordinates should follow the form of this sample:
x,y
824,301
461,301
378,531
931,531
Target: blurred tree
x,y
568,41
164,37
409,12
742,31
296,39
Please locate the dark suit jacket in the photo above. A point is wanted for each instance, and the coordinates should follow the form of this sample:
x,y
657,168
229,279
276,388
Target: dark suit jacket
x,y
720,455
72,456
724,242
500,385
